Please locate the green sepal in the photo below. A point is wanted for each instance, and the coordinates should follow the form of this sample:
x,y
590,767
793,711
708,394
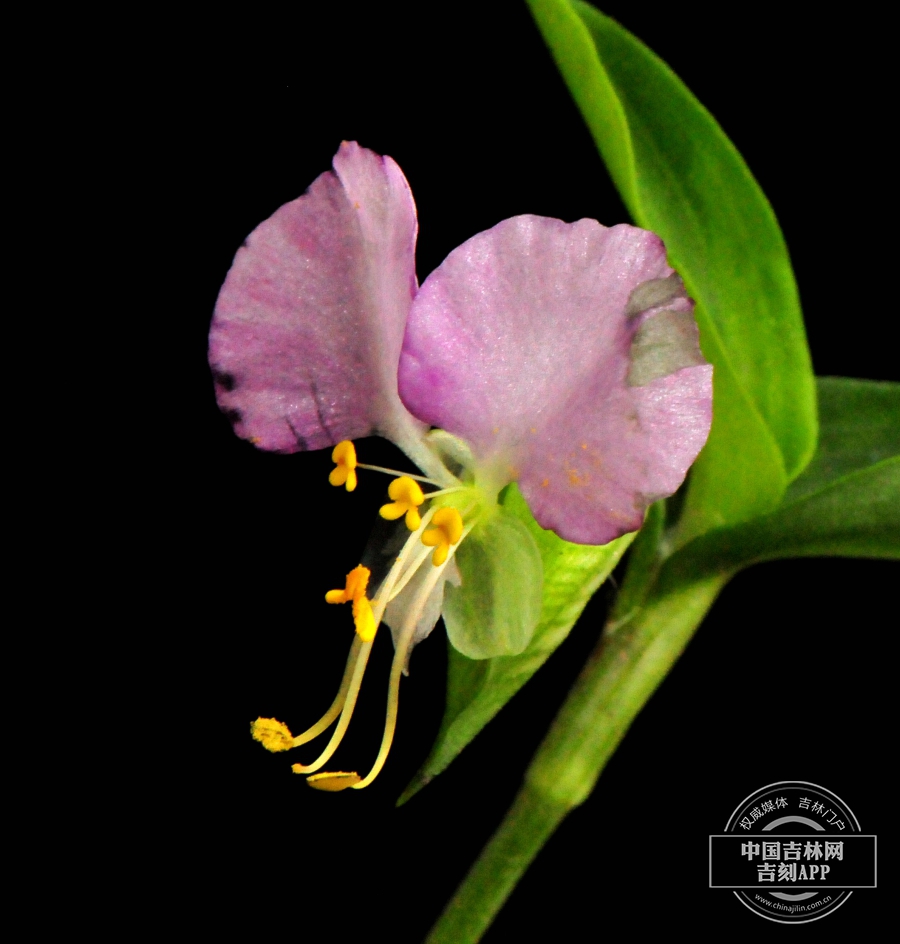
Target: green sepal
x,y
477,690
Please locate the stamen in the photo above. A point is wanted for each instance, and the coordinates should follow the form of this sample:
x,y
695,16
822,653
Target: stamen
x,y
447,530
339,699
401,654
444,491
408,475
355,592
273,735
366,626
354,588
346,714
398,572
364,620
276,736
410,573
344,457
447,533
333,782
406,497
367,621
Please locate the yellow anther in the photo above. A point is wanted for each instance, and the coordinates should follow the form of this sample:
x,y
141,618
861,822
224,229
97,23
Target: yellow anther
x,y
447,530
333,782
272,734
364,619
354,589
355,592
344,457
407,496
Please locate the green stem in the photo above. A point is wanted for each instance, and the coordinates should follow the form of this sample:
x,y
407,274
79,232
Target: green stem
x,y
528,824
632,657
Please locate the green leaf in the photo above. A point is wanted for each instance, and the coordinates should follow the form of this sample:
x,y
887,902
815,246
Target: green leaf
x,y
860,426
477,690
681,177
739,474
846,503
496,608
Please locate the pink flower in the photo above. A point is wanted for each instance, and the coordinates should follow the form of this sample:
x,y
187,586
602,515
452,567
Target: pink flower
x,y
562,357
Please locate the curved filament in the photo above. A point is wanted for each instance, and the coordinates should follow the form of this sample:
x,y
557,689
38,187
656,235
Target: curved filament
x,y
339,699
346,713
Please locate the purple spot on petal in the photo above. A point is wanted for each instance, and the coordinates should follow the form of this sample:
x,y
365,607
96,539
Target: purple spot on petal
x,y
311,315
225,380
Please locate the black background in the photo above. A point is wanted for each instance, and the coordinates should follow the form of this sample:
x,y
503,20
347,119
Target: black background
x,y
784,680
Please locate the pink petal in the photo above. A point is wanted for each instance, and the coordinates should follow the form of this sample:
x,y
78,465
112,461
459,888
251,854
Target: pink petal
x,y
521,344
308,326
